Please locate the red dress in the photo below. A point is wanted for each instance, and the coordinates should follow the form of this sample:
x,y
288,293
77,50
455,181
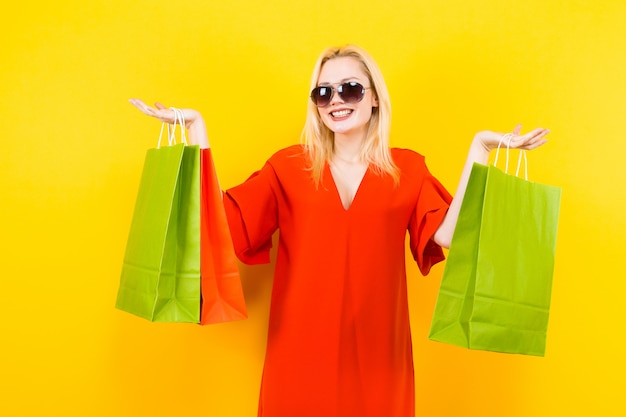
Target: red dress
x,y
339,340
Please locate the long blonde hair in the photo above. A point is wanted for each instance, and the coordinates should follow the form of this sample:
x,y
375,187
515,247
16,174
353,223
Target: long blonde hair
x,y
319,139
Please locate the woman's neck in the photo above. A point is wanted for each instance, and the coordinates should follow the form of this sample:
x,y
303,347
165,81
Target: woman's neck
x,y
347,148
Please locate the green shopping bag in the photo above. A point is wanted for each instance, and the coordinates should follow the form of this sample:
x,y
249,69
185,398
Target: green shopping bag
x,y
160,278
496,286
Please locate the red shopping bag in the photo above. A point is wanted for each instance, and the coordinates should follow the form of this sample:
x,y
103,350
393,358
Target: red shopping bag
x,y
222,295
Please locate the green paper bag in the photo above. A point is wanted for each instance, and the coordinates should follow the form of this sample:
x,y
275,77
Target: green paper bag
x,y
160,278
496,286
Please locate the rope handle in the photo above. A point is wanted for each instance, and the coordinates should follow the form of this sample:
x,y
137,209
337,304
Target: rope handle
x,y
179,119
508,137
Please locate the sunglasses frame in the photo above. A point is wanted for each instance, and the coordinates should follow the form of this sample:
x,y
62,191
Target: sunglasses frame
x,y
339,89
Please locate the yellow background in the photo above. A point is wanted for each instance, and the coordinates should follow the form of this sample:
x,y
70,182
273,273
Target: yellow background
x,y
72,152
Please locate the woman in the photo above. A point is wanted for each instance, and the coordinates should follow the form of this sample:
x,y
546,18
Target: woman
x,y
339,341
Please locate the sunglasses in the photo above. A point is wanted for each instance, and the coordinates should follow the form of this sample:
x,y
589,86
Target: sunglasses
x,y
350,92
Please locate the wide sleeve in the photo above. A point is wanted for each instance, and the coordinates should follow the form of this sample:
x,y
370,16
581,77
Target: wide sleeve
x,y
432,205
252,214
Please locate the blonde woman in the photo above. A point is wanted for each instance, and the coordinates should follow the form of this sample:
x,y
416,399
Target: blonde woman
x,y
339,341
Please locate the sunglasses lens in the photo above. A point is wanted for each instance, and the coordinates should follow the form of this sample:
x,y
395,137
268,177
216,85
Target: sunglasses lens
x,y
321,96
351,92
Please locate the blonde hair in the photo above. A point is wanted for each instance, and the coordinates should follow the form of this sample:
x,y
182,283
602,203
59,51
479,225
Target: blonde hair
x,y
319,139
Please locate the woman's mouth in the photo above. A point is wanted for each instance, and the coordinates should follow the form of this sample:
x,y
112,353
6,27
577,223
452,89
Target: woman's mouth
x,y
340,114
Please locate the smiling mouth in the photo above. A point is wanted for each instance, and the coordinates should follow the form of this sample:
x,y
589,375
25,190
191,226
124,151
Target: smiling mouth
x,y
341,113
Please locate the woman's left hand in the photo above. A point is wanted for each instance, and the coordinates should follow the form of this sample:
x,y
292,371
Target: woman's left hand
x,y
531,140
482,144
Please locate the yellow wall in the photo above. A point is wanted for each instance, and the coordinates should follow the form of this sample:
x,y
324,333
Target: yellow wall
x,y
72,152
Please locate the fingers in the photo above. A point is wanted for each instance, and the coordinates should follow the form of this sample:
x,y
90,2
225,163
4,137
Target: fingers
x,y
143,107
530,140
159,112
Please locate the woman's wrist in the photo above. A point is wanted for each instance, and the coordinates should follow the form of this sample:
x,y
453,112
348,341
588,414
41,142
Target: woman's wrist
x,y
197,130
480,148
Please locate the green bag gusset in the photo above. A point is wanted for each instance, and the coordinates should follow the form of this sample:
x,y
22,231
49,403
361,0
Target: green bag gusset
x,y
496,286
160,278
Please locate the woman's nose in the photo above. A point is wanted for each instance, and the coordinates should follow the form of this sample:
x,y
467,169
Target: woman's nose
x,y
336,98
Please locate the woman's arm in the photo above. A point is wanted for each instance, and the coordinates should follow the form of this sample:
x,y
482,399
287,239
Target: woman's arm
x,y
193,120
479,151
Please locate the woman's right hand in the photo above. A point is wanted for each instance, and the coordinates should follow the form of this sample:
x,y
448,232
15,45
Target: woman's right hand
x,y
193,120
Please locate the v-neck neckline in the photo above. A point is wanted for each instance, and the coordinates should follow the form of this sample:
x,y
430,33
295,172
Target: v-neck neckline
x,y
358,191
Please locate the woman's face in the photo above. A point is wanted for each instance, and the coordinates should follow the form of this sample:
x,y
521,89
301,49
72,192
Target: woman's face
x,y
340,117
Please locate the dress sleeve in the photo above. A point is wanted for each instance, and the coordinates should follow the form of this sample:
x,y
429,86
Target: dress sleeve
x,y
432,205
252,215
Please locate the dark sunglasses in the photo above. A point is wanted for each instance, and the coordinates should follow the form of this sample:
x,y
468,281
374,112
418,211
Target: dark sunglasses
x,y
350,92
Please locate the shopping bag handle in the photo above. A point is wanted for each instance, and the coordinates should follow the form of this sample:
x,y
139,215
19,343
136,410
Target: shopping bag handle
x,y
179,118
508,137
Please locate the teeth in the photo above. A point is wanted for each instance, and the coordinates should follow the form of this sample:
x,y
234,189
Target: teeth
x,y
341,113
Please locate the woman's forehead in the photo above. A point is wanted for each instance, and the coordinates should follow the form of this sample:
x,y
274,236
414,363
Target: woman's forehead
x,y
338,70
